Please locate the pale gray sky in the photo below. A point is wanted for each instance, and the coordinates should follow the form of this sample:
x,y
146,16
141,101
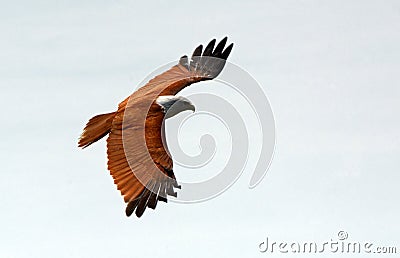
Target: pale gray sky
x,y
329,68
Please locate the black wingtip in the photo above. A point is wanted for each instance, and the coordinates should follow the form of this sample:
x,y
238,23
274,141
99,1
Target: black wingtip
x,y
198,51
227,51
131,207
209,48
141,207
220,47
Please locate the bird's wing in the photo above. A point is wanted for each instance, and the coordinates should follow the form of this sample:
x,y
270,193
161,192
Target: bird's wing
x,y
137,159
203,65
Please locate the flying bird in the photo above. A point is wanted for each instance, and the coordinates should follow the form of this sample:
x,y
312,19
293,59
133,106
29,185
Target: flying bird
x,y
138,158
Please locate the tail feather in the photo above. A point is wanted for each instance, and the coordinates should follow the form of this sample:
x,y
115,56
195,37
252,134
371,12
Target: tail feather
x,y
97,127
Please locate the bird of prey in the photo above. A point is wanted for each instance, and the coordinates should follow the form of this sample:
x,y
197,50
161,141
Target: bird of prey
x,y
138,158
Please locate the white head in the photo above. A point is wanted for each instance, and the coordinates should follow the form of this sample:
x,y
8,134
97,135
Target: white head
x,y
173,105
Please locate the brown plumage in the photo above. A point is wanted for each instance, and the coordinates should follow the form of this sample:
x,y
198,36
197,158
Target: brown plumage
x,y
138,161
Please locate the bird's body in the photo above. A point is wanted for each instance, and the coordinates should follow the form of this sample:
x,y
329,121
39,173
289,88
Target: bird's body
x,y
138,158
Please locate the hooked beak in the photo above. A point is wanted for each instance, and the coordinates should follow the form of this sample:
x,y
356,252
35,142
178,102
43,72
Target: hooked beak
x,y
192,107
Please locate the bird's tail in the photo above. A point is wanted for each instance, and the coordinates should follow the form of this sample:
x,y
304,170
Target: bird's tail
x,y
97,127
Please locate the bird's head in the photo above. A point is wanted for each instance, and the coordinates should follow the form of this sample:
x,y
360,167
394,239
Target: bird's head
x,y
173,105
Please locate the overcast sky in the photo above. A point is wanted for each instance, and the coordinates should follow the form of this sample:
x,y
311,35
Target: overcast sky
x,y
329,68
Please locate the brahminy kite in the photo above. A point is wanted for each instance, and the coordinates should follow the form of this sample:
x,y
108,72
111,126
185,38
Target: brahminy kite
x,y
138,159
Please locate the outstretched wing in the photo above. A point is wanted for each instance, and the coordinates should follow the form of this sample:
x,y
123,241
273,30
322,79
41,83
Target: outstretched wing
x,y
141,179
137,156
